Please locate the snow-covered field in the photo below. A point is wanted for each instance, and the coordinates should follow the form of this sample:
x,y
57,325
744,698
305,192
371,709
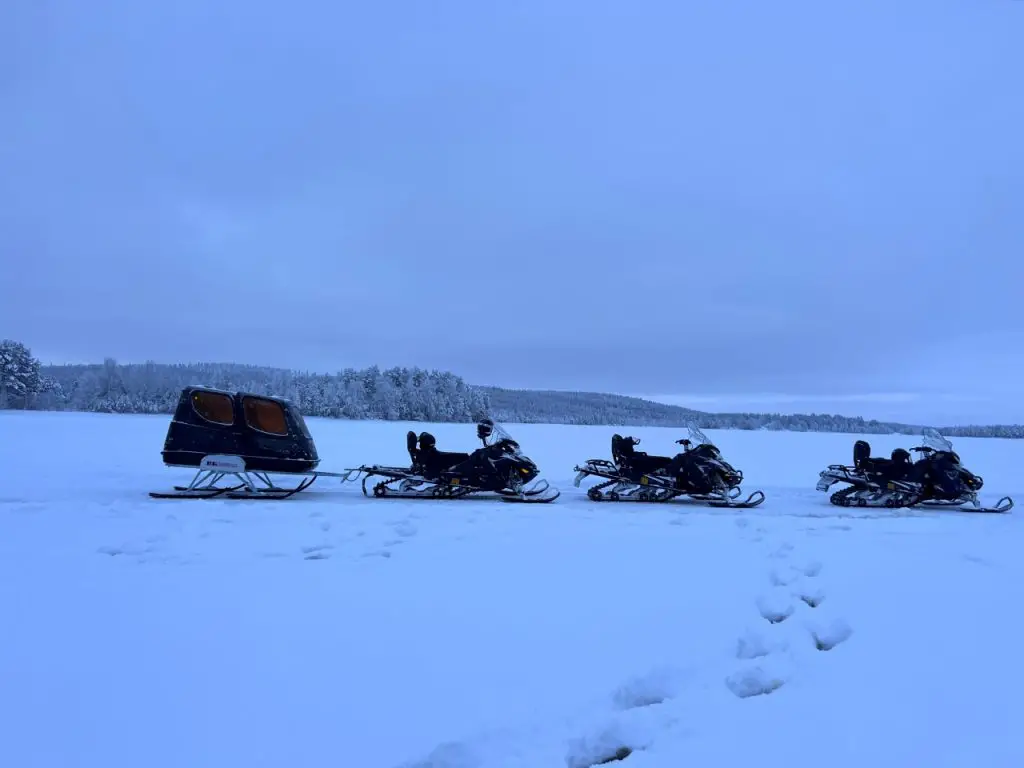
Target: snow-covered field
x,y
335,630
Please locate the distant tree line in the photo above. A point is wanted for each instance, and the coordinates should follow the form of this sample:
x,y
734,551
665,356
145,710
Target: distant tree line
x,y
407,394
393,394
553,407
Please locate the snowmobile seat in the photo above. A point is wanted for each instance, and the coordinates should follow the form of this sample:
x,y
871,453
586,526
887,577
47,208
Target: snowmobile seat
x,y
626,457
897,465
861,452
425,456
445,459
864,461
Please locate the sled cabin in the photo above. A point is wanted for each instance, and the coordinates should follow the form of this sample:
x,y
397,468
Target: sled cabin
x,y
267,432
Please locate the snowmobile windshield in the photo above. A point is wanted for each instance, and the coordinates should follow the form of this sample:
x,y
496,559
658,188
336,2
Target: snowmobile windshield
x,y
500,435
696,437
698,440
932,439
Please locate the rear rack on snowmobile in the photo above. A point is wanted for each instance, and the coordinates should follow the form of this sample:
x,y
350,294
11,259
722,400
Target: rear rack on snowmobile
x,y
836,473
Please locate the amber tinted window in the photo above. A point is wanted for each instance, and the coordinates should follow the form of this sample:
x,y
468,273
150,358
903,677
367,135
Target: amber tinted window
x,y
214,406
265,415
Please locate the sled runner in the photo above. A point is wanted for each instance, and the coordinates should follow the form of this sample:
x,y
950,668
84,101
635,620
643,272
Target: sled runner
x,y
235,442
936,479
699,473
498,469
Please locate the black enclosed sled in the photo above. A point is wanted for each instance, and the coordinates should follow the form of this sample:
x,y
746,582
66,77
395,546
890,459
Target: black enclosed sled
x,y
235,441
699,472
935,479
498,469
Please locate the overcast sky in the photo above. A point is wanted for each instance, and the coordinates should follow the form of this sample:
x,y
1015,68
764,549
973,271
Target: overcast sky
x,y
733,202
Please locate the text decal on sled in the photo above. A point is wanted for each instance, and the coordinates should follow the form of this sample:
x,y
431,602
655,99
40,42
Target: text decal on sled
x,y
227,464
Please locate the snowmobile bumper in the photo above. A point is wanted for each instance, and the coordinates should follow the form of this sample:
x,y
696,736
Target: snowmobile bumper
x,y
838,473
825,481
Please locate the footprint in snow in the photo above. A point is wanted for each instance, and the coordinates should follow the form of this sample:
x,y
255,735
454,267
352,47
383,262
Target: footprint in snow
x,y
655,687
792,574
811,596
800,581
774,608
758,680
827,636
448,755
317,552
606,747
405,529
782,551
791,582
753,644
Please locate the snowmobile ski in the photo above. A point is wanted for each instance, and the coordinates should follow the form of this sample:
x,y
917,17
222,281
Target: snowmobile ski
x,y
1004,505
249,483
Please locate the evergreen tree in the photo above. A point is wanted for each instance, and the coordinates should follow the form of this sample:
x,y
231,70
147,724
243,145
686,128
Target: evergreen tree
x,y
20,380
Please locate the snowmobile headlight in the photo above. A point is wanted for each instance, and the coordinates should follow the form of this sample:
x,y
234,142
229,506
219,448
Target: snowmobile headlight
x,y
524,470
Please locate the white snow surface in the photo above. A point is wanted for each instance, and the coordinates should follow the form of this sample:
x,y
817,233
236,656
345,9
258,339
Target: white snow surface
x,y
335,630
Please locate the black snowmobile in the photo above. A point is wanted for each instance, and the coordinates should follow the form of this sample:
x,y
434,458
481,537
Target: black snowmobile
x,y
935,479
698,472
498,467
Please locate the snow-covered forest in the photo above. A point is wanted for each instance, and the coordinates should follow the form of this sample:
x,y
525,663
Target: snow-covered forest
x,y
406,394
